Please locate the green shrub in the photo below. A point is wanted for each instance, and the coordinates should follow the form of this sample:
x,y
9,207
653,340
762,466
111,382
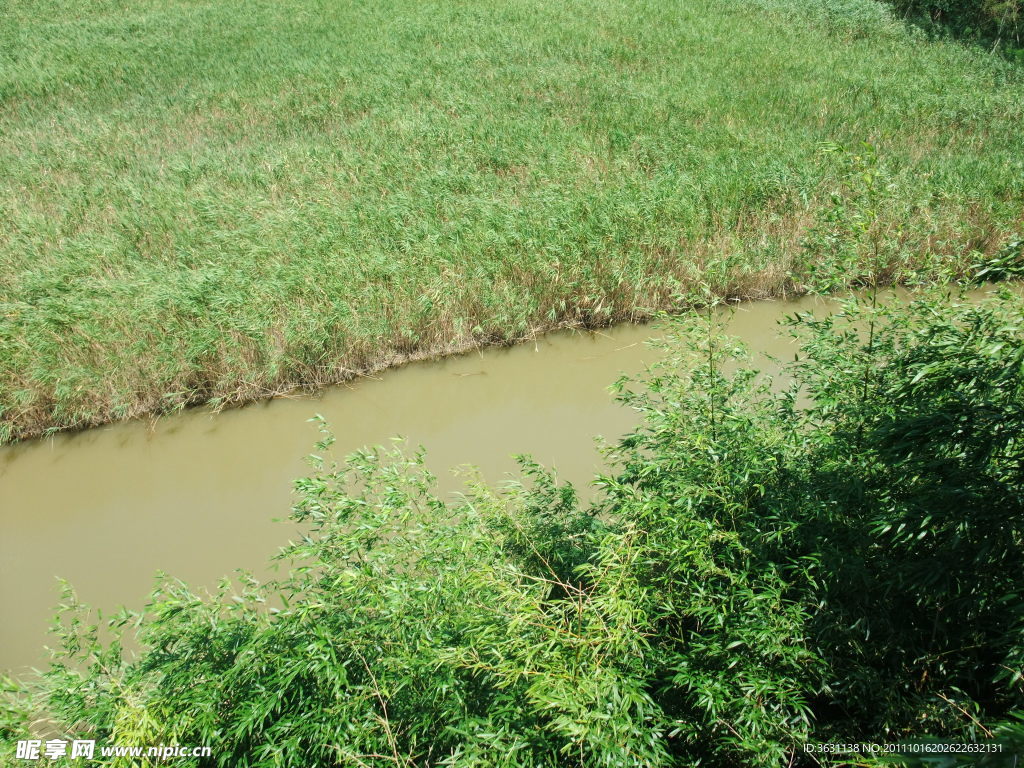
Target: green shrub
x,y
1000,20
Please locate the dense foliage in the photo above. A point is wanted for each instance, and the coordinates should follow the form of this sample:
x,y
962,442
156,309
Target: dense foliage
x,y
994,21
224,200
830,559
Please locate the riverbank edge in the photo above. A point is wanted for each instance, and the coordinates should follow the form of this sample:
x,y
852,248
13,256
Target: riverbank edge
x,y
158,407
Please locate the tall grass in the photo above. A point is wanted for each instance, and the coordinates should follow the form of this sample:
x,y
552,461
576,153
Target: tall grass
x,y
223,200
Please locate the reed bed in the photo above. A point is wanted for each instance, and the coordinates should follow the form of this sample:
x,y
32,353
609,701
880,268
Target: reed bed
x,y
217,202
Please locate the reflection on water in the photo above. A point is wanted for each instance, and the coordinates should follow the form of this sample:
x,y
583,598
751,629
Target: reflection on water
x,y
196,494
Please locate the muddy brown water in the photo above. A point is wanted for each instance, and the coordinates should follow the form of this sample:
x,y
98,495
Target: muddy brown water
x,y
197,494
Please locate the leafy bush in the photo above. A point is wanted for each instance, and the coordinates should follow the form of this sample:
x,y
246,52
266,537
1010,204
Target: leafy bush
x,y
884,488
833,560
998,20
1007,264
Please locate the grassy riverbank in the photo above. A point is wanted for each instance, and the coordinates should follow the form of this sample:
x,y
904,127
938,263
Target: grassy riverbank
x,y
224,200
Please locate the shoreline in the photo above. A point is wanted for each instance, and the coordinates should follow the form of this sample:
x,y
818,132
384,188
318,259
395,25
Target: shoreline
x,y
393,359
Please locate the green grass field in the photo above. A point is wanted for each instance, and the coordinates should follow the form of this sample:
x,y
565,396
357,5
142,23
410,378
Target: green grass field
x,y
227,199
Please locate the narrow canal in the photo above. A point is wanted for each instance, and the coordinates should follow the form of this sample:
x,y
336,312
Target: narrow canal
x,y
197,494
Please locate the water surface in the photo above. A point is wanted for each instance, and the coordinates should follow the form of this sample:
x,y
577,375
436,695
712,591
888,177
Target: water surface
x,y
196,494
